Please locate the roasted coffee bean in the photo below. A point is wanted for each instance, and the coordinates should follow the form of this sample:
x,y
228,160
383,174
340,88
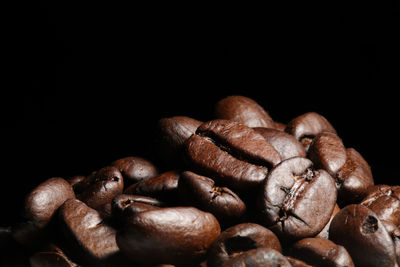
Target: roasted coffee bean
x,y
54,256
297,201
176,235
284,143
384,200
328,152
134,169
321,252
171,137
265,257
239,239
244,110
354,179
92,241
306,126
163,187
359,230
102,187
296,262
233,154
325,231
201,192
394,233
125,205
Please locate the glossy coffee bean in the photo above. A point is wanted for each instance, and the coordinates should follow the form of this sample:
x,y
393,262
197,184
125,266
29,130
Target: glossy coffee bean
x,y
328,152
306,126
124,205
384,201
354,179
163,187
284,143
171,136
359,230
325,231
134,169
243,110
233,154
201,192
90,238
321,252
51,258
265,257
394,233
43,201
239,239
176,235
101,188
297,200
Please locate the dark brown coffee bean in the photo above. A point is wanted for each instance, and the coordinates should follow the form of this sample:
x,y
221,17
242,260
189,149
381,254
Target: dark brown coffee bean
x,y
296,262
265,257
163,187
200,192
125,205
239,239
75,180
90,238
244,110
321,252
169,235
354,179
51,258
297,200
360,231
325,231
134,169
384,201
43,201
284,143
171,137
394,233
232,153
328,152
102,187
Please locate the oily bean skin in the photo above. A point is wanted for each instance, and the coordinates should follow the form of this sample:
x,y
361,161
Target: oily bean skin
x,y
308,125
233,154
83,228
124,205
43,201
102,187
284,143
385,202
243,110
321,252
170,235
239,239
328,152
134,169
354,179
171,137
162,187
200,191
359,230
297,201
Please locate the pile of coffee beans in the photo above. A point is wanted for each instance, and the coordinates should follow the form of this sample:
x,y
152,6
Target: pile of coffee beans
x,y
238,190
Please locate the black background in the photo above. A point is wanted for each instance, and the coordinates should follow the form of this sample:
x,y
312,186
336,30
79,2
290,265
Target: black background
x,y
84,83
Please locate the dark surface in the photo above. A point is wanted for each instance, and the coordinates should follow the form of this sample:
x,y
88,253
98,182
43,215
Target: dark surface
x,y
86,82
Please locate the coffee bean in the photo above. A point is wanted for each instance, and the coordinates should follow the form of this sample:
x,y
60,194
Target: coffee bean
x,y
169,235
296,262
284,143
354,179
200,192
297,201
243,110
134,169
124,206
325,231
90,238
359,230
321,252
327,152
233,154
50,258
239,239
